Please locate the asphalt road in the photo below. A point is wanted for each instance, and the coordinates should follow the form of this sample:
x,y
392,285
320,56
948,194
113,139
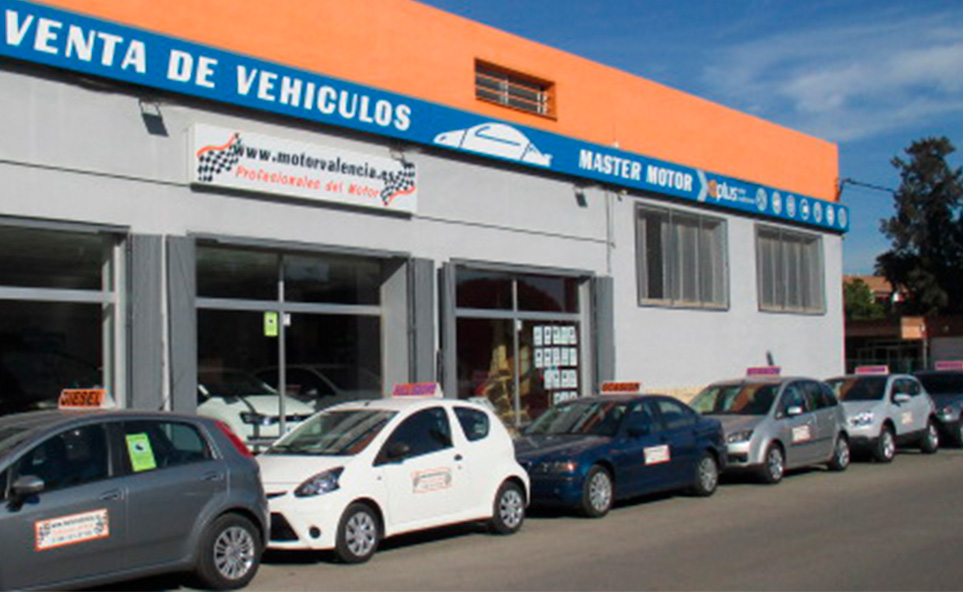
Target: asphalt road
x,y
874,527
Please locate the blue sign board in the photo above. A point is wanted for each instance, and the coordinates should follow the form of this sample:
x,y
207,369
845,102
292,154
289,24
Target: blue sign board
x,y
61,39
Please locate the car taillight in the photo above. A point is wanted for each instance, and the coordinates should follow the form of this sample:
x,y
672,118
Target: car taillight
x,y
227,431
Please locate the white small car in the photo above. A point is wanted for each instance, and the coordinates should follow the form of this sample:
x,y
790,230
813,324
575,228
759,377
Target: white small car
x,y
361,471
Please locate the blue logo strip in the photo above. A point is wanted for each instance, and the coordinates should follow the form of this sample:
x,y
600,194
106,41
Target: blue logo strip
x,y
61,39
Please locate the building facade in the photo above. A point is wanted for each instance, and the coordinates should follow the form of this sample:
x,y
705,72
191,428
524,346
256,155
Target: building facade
x,y
313,196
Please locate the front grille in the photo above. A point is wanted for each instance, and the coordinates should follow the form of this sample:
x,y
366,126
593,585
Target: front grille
x,y
280,528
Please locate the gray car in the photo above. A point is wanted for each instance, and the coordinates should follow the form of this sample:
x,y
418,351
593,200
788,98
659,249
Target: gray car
x,y
885,410
90,497
774,423
946,389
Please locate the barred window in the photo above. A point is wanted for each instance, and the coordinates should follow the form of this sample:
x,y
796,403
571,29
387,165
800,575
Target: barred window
x,y
681,259
512,89
789,271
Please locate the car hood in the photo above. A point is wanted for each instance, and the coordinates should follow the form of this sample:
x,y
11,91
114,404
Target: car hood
x,y
737,423
290,470
853,408
536,447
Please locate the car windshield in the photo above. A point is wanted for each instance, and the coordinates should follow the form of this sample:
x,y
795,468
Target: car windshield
x,y
334,433
226,383
736,399
598,418
863,388
942,384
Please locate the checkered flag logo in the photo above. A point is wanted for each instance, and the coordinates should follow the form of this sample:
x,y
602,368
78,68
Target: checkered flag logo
x,y
214,160
400,183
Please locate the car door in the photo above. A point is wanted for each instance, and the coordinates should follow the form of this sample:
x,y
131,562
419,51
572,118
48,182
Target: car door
x,y
76,526
640,453
824,412
175,482
796,425
678,435
912,415
425,475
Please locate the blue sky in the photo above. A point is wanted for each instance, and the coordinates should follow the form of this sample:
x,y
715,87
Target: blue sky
x,y
872,76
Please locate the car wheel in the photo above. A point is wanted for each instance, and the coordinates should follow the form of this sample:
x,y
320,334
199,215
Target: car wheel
x,y
508,511
597,493
774,465
841,455
959,433
230,553
707,476
885,448
358,534
931,439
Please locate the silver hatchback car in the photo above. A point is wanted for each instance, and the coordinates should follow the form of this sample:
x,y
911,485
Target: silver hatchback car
x,y
90,497
887,410
777,423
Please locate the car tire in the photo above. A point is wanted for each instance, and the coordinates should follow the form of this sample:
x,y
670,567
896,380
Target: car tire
x,y
508,509
706,476
359,533
839,461
230,553
597,492
958,434
931,438
773,465
885,448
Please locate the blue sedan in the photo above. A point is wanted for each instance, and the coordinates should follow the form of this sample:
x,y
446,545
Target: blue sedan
x,y
587,453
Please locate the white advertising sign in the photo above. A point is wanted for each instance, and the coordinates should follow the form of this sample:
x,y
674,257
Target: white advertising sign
x,y
222,157
69,530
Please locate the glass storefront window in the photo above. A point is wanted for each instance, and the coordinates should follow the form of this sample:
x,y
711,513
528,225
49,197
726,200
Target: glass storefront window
x,y
305,340
334,279
524,359
34,258
483,289
46,347
545,293
236,273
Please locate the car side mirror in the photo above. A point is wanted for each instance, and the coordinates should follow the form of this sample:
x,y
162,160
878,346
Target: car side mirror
x,y
900,398
794,410
26,486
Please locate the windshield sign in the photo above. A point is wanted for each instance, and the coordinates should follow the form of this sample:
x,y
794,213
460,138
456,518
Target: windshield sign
x,y
334,433
736,399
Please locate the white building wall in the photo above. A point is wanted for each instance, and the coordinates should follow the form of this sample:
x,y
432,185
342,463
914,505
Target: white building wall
x,y
80,150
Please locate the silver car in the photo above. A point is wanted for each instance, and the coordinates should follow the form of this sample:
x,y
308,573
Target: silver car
x,y
884,411
777,423
90,497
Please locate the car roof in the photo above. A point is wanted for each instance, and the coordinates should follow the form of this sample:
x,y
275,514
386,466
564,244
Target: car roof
x,y
761,380
862,376
42,419
403,403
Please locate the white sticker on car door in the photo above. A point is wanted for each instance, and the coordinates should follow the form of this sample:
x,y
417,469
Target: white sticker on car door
x,y
657,454
70,530
801,433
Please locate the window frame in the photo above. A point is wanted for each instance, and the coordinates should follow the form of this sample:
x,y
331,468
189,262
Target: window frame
x,y
506,79
670,257
782,290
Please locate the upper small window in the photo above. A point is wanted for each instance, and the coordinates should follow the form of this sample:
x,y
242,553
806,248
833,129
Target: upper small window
x,y
513,89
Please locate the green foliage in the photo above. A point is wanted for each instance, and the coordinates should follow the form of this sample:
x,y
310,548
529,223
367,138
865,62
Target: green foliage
x,y
858,302
926,258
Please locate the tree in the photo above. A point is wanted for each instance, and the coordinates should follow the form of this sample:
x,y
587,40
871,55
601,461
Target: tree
x,y
858,301
926,258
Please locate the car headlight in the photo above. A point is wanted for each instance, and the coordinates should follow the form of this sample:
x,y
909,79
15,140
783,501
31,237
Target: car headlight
x,y
740,436
947,413
258,419
324,482
556,466
861,419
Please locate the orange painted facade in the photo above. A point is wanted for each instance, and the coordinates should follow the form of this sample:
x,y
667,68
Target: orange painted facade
x,y
406,47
